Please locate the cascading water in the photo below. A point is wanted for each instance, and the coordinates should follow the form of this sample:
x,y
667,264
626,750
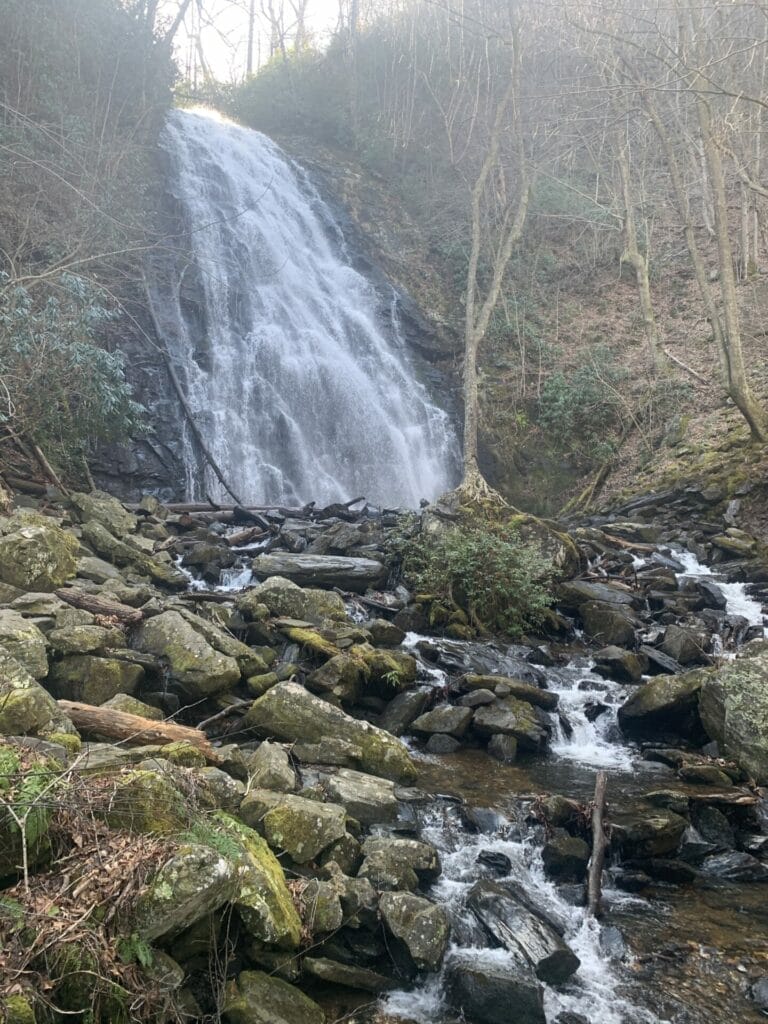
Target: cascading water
x,y
298,377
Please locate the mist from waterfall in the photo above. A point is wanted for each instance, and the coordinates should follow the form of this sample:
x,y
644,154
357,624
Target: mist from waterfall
x,y
294,366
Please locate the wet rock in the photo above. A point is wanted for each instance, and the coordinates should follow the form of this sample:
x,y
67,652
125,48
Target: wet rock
x,y
284,598
37,557
300,827
559,810
574,594
512,717
515,687
421,857
570,1018
672,799
515,927
704,774
342,678
660,663
593,709
485,992
94,680
665,704
121,553
365,797
269,767
385,633
332,752
477,698
259,998
565,857
348,975
759,993
648,835
714,827
327,571
289,713
608,624
619,664
419,928
389,671
735,866
612,942
192,662
673,872
322,910
503,748
499,863
441,743
734,709
446,719
684,646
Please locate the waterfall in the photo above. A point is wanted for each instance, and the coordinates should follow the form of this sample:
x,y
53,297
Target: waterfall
x,y
295,369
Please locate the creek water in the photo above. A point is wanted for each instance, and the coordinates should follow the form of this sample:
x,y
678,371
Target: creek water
x,y
294,365
676,955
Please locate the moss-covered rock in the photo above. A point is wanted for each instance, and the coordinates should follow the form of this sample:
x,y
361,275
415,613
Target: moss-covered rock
x,y
419,926
512,717
250,661
21,783
23,641
390,672
84,639
258,998
131,706
120,553
104,509
313,644
341,678
284,598
93,680
664,705
289,712
192,662
269,767
259,684
299,827
146,801
26,709
38,557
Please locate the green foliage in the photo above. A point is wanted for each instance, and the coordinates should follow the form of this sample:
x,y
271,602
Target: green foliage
x,y
579,410
487,570
61,389
134,949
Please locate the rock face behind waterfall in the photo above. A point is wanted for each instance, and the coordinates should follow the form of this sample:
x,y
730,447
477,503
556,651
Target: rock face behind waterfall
x,y
294,367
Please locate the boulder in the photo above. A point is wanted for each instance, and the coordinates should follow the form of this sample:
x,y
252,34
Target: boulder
x,y
104,509
515,687
348,975
574,594
734,709
403,710
385,633
368,799
301,828
269,767
503,748
512,717
653,834
419,928
131,706
290,713
200,670
216,789
94,680
517,928
685,646
248,659
735,866
23,641
321,906
565,857
38,558
665,704
26,709
327,571
620,664
285,599
259,998
85,639
445,719
485,992
120,553
608,624
392,864
341,678
146,801
442,743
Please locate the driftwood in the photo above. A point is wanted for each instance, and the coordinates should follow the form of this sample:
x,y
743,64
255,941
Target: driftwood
x,y
243,537
221,513
98,605
594,880
133,729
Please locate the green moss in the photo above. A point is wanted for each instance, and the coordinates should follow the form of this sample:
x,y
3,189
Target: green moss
x,y
311,641
17,1009
70,741
144,801
183,754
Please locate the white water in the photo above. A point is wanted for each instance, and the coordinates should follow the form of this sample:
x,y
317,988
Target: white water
x,y
298,376
594,990
738,600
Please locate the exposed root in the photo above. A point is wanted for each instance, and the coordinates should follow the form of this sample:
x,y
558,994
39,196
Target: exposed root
x,y
474,489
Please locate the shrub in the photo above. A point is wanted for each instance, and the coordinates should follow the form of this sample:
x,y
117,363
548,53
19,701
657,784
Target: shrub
x,y
59,388
487,570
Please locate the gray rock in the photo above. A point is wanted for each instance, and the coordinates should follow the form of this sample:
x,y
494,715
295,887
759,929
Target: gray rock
x,y
665,704
734,709
83,677
477,698
403,710
565,857
512,717
503,748
608,624
301,828
385,633
192,661
325,571
23,641
392,864
647,835
418,926
445,719
685,646
516,687
37,557
442,743
485,993
573,594
259,998
269,767
369,799
619,664
284,598
348,975
735,866
25,707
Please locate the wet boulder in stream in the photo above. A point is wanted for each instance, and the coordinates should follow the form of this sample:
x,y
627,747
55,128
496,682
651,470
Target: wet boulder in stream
x,y
515,687
530,726
418,929
664,705
485,991
356,574
517,928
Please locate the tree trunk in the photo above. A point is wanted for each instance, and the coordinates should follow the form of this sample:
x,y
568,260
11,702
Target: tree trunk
x,y
6,499
598,847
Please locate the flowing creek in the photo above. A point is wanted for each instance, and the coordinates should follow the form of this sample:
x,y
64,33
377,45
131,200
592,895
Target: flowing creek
x,y
678,955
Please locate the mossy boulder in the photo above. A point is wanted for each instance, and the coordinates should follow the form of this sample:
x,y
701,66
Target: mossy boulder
x,y
192,662
23,641
93,680
262,897
390,672
269,767
259,998
120,553
734,709
418,927
249,660
341,678
104,509
146,801
665,705
26,709
38,558
292,824
131,706
284,598
512,717
289,712
85,639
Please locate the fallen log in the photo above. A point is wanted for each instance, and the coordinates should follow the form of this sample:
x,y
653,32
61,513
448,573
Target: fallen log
x,y
594,880
98,605
242,537
133,729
